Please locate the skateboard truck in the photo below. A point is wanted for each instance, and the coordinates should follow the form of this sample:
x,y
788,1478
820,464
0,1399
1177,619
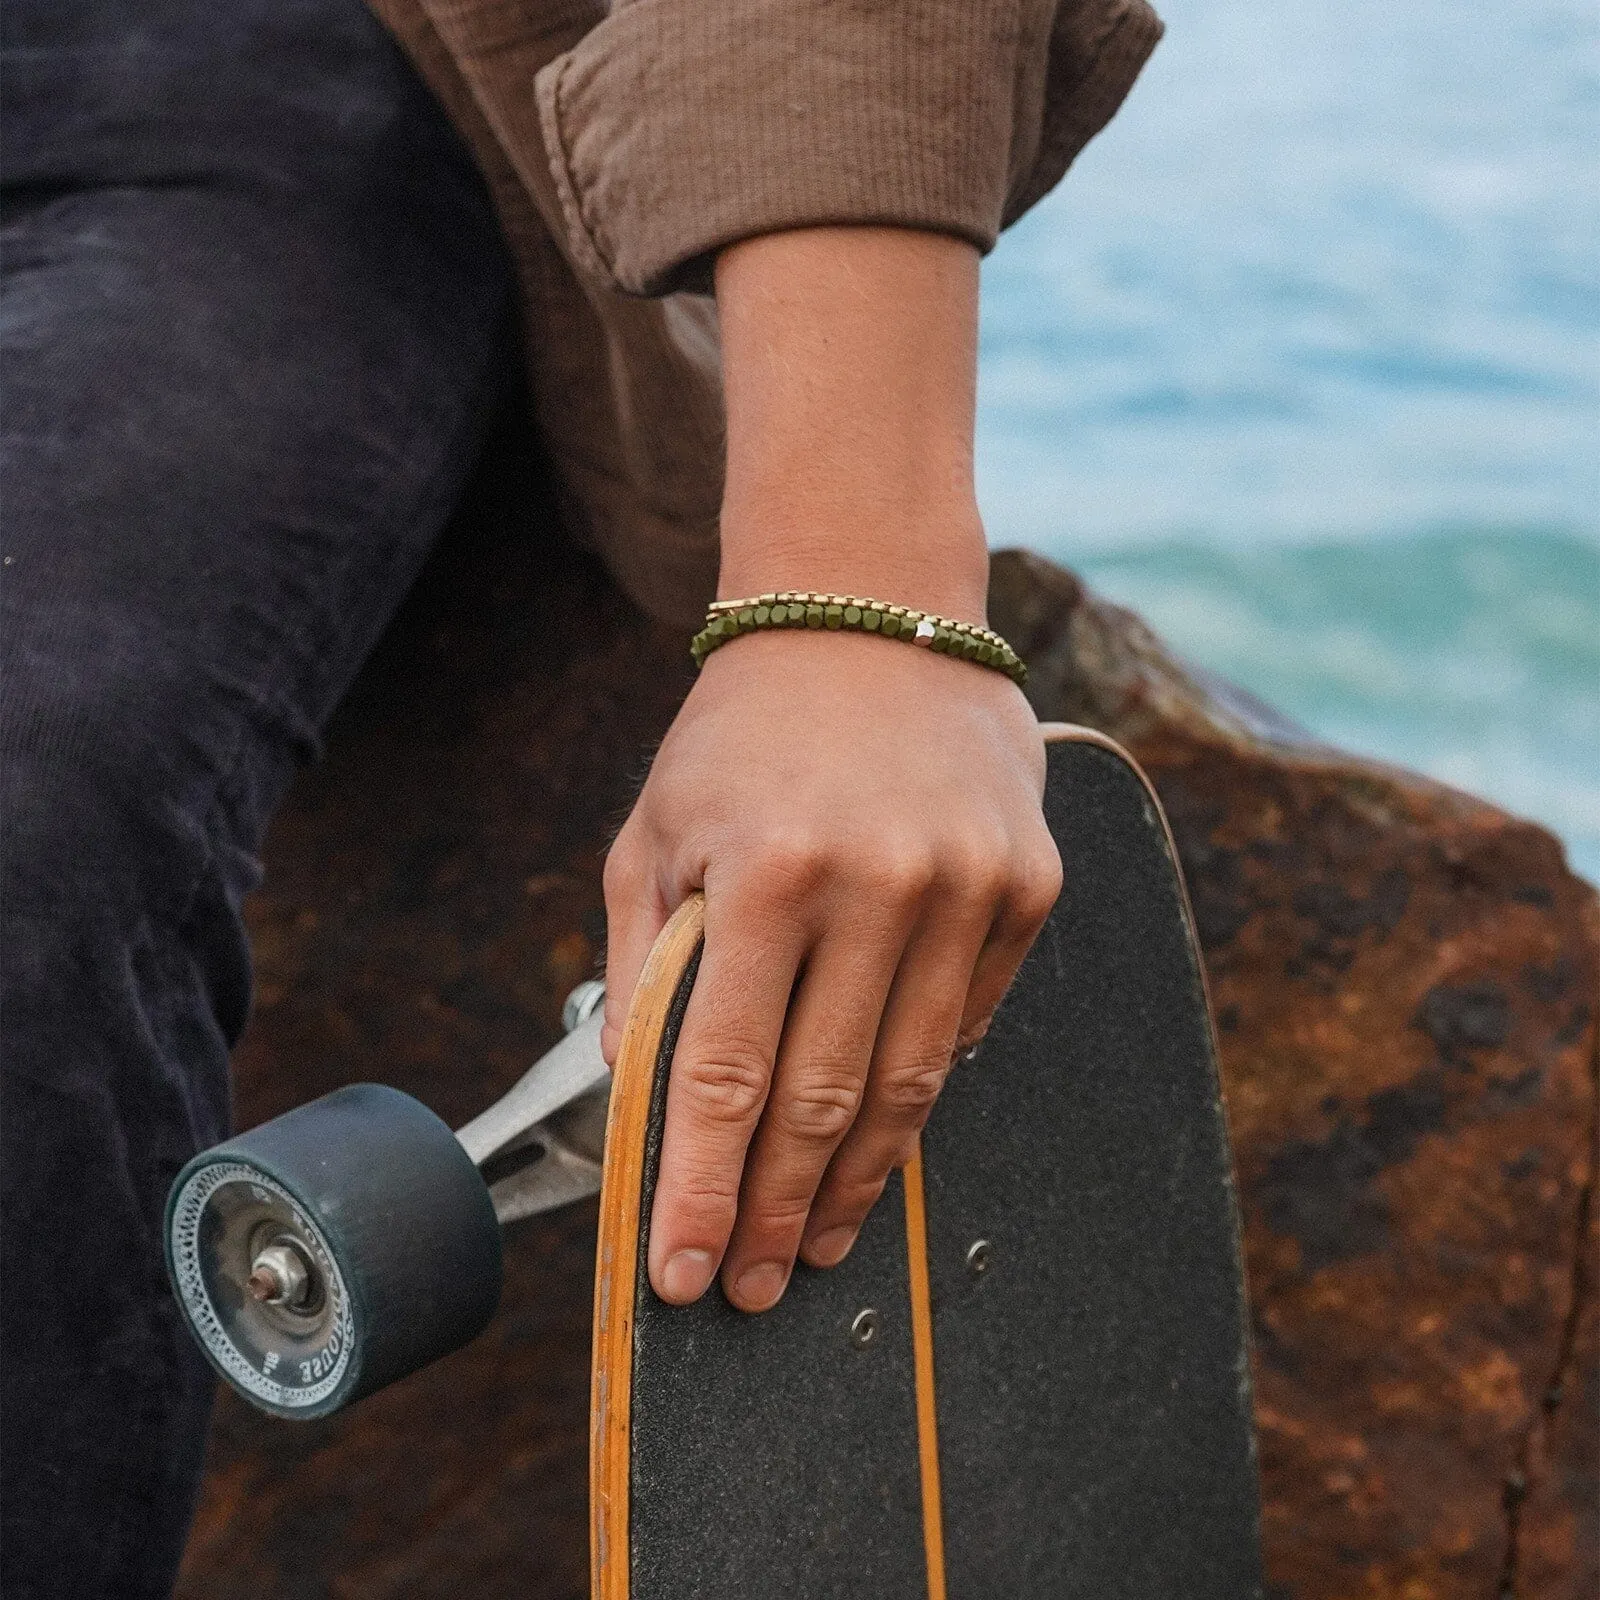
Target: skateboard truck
x,y
353,1240
539,1146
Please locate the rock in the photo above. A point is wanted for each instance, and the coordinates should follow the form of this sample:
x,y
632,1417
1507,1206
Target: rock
x,y
1405,984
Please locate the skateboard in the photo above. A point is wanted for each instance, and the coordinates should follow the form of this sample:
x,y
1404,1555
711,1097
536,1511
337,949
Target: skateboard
x,y
1029,1377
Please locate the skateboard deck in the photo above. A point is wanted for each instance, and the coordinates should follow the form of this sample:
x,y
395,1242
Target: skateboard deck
x,y
1031,1375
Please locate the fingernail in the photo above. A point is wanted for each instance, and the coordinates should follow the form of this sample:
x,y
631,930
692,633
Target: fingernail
x,y
830,1247
686,1275
761,1286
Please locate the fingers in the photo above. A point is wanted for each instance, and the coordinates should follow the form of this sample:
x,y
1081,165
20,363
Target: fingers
x,y
636,912
952,977
721,1073
816,1090
1034,889
821,1029
910,1060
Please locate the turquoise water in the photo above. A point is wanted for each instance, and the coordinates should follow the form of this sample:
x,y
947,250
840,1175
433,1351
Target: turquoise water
x,y
1303,361
1474,657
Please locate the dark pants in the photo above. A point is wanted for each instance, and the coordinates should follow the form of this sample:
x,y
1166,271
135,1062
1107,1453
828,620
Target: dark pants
x,y
256,313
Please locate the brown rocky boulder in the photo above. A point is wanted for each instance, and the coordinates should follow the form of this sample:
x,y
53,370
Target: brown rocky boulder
x,y
1405,982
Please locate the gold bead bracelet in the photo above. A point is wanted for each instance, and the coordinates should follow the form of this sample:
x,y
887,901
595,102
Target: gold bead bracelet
x,y
792,608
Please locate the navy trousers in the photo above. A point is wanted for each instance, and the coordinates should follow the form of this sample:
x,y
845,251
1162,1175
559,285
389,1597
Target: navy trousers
x,y
256,314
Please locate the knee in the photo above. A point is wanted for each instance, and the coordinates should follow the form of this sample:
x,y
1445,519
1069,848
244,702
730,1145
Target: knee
x,y
122,860
109,788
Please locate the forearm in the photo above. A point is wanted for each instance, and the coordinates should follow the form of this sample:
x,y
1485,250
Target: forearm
x,y
850,360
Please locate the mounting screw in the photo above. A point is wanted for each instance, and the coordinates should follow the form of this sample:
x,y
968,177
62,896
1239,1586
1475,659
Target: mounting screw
x,y
978,1256
864,1329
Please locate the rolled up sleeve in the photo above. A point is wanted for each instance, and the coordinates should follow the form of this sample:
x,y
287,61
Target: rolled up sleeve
x,y
676,127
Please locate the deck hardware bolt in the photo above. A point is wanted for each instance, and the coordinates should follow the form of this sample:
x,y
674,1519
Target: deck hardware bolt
x,y
978,1257
864,1329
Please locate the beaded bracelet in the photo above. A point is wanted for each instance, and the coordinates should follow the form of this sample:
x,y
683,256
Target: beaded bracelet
x,y
727,619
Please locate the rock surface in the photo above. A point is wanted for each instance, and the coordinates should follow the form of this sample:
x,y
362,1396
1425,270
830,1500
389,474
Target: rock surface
x,y
1405,982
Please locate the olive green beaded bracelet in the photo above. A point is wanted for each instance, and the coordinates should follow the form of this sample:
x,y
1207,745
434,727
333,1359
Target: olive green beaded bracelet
x,y
727,619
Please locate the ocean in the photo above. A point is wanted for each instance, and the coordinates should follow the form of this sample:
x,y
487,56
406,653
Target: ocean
x,y
1302,361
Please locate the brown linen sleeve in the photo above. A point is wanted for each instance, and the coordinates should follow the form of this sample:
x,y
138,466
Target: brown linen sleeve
x,y
676,127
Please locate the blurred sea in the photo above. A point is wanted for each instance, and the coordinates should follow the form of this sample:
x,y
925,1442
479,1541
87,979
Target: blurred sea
x,y
1302,361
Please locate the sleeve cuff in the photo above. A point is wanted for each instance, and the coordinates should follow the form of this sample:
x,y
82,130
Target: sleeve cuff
x,y
676,127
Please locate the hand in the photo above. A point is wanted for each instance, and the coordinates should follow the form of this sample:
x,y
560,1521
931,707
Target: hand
x,y
864,819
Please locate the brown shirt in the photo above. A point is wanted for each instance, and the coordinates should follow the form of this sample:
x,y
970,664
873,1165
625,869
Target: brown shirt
x,y
625,147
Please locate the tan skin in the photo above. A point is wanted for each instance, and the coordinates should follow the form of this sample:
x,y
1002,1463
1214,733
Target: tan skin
x,y
863,817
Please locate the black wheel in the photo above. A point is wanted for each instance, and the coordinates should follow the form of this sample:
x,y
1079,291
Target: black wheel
x,y
333,1250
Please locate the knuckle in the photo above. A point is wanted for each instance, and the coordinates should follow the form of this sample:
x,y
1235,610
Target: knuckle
x,y
623,872
977,870
901,872
727,1085
821,1109
788,866
912,1087
1038,885
706,1205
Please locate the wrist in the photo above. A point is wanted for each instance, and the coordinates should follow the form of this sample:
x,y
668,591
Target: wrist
x,y
933,559
836,613
850,360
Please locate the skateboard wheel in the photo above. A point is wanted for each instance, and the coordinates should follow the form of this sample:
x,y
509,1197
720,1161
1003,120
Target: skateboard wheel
x,y
333,1250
